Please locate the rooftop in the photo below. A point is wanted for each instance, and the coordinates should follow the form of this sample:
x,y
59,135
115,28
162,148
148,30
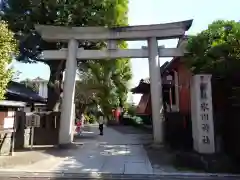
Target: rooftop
x,y
19,92
38,79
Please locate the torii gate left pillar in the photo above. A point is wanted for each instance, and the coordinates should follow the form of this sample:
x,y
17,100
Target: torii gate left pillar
x,y
67,114
151,33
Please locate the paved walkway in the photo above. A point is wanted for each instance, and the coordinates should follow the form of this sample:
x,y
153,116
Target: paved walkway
x,y
112,153
115,153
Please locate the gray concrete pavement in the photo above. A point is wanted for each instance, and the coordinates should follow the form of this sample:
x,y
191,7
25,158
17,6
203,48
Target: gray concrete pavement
x,y
114,152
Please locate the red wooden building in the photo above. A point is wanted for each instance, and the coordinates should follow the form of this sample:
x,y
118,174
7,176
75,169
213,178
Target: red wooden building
x,y
176,87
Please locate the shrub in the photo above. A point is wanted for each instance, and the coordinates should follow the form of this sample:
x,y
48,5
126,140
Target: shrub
x,y
92,119
132,110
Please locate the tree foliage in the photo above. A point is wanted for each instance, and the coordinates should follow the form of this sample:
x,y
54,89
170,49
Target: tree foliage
x,y
22,15
215,50
30,84
84,96
98,77
8,48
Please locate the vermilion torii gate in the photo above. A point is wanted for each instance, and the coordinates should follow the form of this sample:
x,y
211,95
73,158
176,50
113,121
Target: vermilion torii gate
x,y
72,35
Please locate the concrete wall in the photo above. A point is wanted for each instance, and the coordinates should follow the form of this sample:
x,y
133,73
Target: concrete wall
x,y
46,134
22,135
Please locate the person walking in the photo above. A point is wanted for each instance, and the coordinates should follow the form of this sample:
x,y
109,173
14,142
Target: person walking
x,y
117,114
101,123
82,120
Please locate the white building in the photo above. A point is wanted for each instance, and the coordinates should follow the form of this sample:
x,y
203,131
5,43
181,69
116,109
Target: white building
x,y
42,84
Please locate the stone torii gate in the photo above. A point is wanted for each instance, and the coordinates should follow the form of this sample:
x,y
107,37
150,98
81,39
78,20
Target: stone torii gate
x,y
72,35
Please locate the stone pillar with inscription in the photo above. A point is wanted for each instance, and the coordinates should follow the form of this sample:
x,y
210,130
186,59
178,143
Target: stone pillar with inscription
x,y
202,114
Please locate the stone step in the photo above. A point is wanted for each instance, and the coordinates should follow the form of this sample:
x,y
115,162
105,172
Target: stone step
x,y
76,176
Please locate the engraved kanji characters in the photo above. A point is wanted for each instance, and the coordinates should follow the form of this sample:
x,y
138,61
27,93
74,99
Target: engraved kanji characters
x,y
205,140
205,127
204,107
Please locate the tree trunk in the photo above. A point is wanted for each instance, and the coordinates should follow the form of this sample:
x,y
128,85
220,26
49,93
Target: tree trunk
x,y
82,108
55,85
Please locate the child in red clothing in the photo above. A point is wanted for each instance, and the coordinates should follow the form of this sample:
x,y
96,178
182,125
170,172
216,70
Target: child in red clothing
x,y
117,114
79,127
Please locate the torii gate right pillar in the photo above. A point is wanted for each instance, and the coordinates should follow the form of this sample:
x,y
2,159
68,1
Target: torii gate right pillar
x,y
156,90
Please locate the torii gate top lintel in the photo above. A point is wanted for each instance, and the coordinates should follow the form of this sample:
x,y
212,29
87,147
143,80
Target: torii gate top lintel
x,y
141,32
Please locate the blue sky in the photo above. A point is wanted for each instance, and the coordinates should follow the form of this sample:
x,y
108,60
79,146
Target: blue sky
x,y
203,12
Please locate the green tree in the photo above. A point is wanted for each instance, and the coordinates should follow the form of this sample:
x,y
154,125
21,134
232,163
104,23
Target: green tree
x,y
22,15
30,84
110,80
215,50
98,77
121,78
84,96
8,48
